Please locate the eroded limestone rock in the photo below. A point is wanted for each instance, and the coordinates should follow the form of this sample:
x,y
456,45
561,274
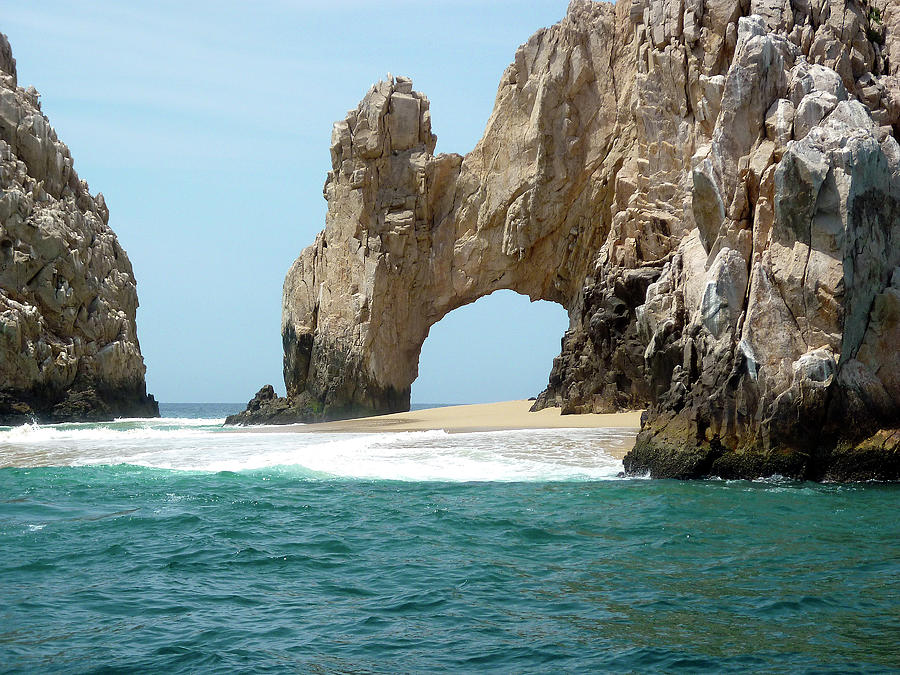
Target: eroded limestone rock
x,y
780,391
68,342
710,189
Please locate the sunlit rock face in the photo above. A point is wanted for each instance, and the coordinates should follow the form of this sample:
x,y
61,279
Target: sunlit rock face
x,y
68,342
709,188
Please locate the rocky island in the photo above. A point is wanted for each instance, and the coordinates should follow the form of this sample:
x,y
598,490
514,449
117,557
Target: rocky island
x,y
68,341
710,188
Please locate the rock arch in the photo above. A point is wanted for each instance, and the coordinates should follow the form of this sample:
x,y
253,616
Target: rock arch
x,y
411,236
712,195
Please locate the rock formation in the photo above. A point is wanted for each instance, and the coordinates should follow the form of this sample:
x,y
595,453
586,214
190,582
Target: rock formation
x,y
709,188
68,342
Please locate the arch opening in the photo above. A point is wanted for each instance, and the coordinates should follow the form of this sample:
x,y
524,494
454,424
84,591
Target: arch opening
x,y
500,347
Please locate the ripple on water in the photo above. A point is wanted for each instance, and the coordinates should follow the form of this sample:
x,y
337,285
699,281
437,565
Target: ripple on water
x,y
157,570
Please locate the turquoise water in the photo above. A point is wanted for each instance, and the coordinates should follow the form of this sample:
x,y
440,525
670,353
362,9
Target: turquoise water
x,y
281,567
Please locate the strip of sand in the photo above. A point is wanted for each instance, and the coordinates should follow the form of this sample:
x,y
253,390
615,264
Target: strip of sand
x,y
504,416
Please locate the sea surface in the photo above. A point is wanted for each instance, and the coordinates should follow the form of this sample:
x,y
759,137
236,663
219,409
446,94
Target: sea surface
x,y
176,546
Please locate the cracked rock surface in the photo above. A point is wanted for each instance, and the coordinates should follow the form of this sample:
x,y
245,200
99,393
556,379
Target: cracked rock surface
x,y
709,188
68,342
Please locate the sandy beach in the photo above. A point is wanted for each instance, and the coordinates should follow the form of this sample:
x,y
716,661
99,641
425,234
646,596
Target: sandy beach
x,y
507,415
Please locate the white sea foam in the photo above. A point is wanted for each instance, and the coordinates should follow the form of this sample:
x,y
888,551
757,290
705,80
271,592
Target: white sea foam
x,y
204,445
181,421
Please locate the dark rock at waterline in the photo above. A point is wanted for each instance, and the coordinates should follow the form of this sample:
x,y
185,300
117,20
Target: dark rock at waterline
x,y
80,403
876,458
267,408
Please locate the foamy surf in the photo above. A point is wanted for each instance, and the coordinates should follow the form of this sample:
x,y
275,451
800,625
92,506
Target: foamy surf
x,y
204,445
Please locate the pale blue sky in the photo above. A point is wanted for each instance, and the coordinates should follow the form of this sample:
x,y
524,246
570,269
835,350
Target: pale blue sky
x,y
206,126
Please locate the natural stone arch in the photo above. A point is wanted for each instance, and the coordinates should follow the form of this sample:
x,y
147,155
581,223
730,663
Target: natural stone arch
x,y
410,236
705,192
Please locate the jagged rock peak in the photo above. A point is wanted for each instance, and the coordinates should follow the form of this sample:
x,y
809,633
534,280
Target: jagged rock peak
x,y
390,118
7,62
68,340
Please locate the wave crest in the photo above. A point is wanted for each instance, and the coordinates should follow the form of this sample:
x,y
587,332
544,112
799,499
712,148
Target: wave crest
x,y
205,445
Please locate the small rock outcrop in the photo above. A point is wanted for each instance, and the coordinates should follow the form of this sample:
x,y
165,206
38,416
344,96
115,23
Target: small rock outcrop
x,y
68,342
711,189
268,408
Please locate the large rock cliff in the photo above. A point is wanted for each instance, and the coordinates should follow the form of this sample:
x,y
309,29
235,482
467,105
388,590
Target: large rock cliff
x,y
68,342
710,188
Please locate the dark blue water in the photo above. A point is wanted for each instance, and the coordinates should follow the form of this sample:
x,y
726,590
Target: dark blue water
x,y
121,568
140,569
200,410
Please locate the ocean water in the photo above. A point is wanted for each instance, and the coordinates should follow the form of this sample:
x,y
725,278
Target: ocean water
x,y
175,546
